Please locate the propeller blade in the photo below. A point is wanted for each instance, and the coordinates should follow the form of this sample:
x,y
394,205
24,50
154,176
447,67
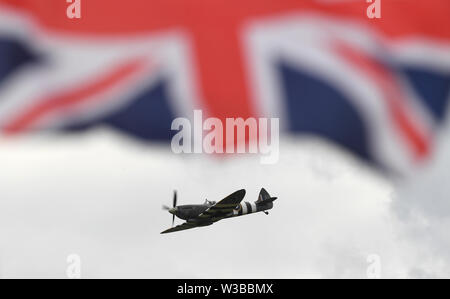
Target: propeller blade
x,y
174,198
164,207
173,219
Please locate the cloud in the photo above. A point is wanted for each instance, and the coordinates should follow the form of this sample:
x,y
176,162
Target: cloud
x,y
422,207
99,196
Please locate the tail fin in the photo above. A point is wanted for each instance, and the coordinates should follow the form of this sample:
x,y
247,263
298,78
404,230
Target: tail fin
x,y
264,197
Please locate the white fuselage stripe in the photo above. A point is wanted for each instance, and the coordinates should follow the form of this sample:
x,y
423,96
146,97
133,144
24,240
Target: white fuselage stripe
x,y
244,208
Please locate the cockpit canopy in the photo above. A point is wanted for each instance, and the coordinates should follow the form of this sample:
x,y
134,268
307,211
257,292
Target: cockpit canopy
x,y
207,202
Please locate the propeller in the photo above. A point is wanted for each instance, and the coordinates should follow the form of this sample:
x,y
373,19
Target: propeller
x,y
174,205
174,198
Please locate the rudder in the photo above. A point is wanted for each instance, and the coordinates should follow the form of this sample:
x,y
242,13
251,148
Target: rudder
x,y
264,196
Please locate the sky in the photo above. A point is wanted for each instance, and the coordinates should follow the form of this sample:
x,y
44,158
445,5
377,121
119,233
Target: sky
x,y
99,194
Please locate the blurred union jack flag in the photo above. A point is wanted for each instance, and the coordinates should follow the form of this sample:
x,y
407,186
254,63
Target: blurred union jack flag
x,y
377,87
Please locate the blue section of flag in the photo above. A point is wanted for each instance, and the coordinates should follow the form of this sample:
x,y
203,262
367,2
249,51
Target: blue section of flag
x,y
13,54
433,89
315,107
147,116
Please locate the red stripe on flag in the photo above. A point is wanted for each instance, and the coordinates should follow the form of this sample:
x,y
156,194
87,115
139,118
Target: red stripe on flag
x,y
409,128
73,97
400,18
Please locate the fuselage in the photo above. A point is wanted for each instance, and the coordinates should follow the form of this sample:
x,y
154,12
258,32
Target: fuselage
x,y
188,212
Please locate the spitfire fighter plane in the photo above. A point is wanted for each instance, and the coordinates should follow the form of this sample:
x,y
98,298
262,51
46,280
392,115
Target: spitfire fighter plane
x,y
209,212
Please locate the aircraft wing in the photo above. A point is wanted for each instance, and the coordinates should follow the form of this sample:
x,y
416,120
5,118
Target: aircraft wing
x,y
185,225
223,207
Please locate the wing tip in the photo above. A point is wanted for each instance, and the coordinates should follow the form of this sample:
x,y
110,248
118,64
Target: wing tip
x,y
241,191
169,230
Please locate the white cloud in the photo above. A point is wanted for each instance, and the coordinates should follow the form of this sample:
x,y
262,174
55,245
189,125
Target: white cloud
x,y
100,196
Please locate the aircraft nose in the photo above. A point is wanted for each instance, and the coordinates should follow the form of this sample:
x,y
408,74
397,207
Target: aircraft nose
x,y
172,210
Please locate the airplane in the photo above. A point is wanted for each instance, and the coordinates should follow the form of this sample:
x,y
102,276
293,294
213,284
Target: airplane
x,y
209,212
